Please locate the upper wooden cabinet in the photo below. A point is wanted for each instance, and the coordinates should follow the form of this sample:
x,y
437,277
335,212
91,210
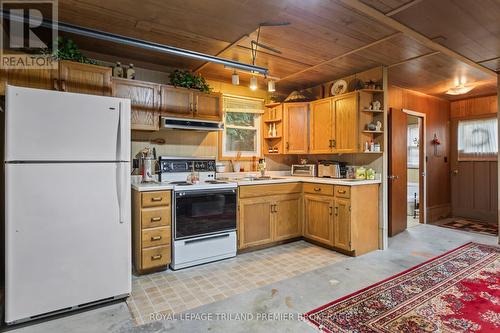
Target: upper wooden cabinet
x,y
208,106
187,103
334,125
176,102
295,127
32,78
346,123
84,78
322,127
145,102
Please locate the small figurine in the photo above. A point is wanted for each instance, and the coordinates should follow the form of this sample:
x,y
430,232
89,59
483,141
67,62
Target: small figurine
x,y
118,70
131,72
378,126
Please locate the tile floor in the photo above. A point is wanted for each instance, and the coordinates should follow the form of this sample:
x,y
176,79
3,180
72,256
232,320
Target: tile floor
x,y
177,291
297,294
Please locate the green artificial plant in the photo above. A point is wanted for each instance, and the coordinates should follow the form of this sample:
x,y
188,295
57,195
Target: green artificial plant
x,y
186,79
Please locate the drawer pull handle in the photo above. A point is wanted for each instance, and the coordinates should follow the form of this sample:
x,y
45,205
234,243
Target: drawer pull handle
x,y
341,191
156,199
156,257
156,219
156,238
317,189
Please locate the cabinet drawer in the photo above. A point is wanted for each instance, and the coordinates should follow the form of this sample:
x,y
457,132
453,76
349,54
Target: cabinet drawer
x,y
155,217
249,191
156,236
155,257
318,189
342,191
154,199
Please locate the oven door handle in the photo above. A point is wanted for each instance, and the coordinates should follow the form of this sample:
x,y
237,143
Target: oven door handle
x,y
200,240
194,193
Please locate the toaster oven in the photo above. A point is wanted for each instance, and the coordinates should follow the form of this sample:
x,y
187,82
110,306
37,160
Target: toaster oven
x,y
304,170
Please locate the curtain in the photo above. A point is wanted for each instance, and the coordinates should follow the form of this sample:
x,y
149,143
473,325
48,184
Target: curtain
x,y
413,144
478,139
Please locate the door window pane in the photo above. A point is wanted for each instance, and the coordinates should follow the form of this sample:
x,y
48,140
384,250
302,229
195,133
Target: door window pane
x,y
477,139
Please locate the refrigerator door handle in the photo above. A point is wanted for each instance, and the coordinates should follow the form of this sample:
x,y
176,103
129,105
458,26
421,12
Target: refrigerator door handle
x,y
122,134
121,180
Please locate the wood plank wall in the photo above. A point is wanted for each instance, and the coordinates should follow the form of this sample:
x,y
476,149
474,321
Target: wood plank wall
x,y
437,113
472,107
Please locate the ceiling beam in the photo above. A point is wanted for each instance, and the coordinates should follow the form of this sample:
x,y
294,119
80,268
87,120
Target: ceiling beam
x,y
488,60
230,46
413,58
396,25
341,56
402,7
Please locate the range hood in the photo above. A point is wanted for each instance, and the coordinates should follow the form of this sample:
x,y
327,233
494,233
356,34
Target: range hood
x,y
191,124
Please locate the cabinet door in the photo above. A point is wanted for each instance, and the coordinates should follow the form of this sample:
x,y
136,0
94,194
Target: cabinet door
x,y
318,214
296,135
254,222
145,102
32,78
208,106
346,124
287,217
342,224
176,102
321,126
84,78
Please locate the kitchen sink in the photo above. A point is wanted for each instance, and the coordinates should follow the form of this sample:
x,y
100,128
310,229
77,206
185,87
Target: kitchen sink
x,y
256,178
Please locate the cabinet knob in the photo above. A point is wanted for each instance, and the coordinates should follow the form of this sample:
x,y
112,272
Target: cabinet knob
x,y
155,238
317,189
156,199
341,191
156,219
156,257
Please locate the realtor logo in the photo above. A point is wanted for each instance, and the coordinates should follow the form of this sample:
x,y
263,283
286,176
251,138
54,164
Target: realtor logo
x,y
29,34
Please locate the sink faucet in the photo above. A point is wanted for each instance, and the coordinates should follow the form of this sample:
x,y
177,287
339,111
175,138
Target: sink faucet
x,y
262,167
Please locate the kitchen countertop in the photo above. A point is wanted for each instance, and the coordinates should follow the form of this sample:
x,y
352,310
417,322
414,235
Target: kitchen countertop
x,y
142,187
316,180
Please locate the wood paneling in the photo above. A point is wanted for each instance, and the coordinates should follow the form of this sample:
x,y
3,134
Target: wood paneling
x,y
472,107
437,122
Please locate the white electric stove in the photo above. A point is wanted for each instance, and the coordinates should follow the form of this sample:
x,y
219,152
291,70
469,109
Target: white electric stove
x,y
203,214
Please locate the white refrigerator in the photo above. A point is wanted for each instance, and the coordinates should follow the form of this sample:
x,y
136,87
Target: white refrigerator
x,y
67,201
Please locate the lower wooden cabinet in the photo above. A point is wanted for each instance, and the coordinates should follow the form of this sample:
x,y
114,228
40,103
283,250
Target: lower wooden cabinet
x,y
318,218
338,216
342,224
264,219
151,230
287,217
255,222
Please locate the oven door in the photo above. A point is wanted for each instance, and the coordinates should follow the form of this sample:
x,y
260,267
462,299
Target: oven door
x,y
204,212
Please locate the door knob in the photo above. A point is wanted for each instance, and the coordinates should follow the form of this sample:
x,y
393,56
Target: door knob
x,y
393,177
455,172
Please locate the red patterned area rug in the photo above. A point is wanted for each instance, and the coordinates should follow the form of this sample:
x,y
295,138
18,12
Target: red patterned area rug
x,y
458,291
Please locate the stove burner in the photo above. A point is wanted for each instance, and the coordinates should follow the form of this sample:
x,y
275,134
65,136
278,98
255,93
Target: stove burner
x,y
180,183
215,182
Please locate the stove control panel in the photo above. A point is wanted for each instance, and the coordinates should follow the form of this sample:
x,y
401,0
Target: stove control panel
x,y
185,165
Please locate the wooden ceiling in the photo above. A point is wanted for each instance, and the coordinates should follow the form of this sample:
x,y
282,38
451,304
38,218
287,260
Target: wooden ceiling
x,y
325,40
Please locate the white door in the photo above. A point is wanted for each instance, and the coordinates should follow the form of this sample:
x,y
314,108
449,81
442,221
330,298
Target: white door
x,y
67,235
44,125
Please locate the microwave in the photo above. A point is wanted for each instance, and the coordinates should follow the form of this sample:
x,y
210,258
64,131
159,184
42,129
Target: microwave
x,y
304,170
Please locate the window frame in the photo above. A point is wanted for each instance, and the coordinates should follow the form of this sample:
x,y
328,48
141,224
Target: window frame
x,y
245,156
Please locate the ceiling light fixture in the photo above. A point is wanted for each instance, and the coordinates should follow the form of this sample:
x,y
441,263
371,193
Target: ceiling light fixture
x,y
253,83
459,90
235,78
271,86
